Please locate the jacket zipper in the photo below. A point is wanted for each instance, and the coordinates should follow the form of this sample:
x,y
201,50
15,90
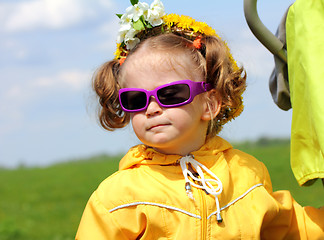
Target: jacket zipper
x,y
203,213
203,207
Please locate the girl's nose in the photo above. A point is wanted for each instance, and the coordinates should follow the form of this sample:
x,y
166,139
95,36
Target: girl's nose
x,y
153,108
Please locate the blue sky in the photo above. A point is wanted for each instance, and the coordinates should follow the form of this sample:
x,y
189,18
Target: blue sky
x,y
49,50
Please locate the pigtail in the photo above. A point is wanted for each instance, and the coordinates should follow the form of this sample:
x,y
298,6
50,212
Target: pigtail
x,y
228,80
106,87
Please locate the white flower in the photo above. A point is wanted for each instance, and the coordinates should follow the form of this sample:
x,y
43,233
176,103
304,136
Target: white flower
x,y
121,36
158,6
154,19
131,43
129,13
152,14
125,24
130,40
155,13
138,10
126,19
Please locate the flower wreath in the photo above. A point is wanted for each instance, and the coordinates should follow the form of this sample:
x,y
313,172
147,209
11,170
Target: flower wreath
x,y
142,21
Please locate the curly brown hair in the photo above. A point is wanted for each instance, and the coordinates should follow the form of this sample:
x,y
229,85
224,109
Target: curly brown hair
x,y
212,60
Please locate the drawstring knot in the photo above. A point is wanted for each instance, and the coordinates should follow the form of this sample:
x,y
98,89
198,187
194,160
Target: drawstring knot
x,y
203,183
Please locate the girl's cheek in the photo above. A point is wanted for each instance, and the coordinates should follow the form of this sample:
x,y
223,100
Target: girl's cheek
x,y
137,120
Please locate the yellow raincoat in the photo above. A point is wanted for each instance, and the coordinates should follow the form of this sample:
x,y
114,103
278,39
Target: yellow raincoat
x,y
146,199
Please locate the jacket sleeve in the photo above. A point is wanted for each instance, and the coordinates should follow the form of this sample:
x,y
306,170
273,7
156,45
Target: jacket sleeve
x,y
291,221
99,224
285,219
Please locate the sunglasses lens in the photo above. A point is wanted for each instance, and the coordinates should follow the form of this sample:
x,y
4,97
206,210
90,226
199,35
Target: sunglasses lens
x,y
133,100
174,94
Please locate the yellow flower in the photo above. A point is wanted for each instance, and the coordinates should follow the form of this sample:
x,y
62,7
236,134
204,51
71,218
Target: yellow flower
x,y
238,111
188,23
170,19
118,51
185,22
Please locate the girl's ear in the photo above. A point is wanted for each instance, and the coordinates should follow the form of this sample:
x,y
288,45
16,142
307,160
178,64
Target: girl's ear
x,y
211,106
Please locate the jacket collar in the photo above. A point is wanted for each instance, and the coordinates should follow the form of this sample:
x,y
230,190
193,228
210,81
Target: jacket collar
x,y
143,155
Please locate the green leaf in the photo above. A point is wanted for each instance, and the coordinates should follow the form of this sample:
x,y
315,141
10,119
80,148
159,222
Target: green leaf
x,y
139,25
162,29
133,2
119,15
146,24
142,19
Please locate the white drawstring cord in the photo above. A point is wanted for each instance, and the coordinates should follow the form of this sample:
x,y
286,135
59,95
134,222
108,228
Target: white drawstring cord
x,y
204,183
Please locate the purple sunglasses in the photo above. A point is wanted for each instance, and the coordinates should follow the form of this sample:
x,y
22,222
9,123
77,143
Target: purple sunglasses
x,y
173,94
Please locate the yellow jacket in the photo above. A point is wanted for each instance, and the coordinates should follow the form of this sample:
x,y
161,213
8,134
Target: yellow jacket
x,y
146,199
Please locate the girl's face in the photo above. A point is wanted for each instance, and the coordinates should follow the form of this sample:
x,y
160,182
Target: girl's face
x,y
177,130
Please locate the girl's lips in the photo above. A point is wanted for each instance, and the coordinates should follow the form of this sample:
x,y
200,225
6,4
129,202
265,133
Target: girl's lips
x,y
157,126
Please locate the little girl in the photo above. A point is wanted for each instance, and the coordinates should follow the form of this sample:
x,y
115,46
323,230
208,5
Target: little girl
x,y
176,81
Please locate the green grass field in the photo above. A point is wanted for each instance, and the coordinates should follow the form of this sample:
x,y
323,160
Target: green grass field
x,y
47,203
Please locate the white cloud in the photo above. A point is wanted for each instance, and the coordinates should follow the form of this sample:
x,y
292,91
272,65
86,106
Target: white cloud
x,y
74,80
20,95
48,14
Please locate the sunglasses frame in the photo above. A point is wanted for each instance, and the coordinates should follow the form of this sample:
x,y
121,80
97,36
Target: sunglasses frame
x,y
195,88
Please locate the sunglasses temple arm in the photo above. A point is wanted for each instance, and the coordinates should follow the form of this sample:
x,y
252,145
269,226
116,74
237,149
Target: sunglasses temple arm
x,y
207,86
